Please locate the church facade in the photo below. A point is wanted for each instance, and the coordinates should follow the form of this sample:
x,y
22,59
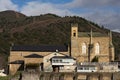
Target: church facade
x,y
90,46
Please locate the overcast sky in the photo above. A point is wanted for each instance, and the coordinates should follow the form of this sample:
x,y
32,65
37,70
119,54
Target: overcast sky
x,y
103,12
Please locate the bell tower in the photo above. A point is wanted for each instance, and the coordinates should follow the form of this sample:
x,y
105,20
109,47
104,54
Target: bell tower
x,y
74,30
74,40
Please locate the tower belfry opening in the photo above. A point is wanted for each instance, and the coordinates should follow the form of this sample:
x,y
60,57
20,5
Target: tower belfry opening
x,y
74,30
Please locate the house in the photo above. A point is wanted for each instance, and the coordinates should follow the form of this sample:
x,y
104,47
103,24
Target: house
x,y
57,62
47,60
63,64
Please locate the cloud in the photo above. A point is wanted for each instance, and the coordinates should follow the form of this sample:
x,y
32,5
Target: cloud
x,y
7,5
37,8
116,30
102,12
109,19
93,3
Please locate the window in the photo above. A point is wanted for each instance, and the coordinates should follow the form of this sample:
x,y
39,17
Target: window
x,y
53,61
60,60
74,34
97,48
80,68
61,67
57,61
84,48
86,68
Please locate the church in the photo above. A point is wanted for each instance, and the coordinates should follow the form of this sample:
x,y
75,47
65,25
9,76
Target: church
x,y
85,47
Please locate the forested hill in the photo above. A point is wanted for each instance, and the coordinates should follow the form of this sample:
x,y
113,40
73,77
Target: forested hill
x,y
48,29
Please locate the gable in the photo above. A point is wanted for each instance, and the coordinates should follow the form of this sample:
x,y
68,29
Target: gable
x,y
34,56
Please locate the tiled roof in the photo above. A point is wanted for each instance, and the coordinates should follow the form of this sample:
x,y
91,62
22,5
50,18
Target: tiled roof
x,y
34,56
94,34
48,48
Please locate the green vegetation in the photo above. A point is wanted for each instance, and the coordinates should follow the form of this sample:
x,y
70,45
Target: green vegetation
x,y
49,29
9,77
4,78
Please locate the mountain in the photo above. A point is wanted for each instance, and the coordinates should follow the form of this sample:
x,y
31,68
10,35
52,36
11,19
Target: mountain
x,y
50,29
11,15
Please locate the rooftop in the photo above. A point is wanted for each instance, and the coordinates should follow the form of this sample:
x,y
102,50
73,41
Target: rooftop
x,y
42,48
63,57
34,56
94,34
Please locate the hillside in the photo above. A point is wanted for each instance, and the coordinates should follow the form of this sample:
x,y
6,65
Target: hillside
x,y
16,28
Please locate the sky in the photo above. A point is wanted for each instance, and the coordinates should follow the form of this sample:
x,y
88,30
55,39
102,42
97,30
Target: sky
x,y
103,12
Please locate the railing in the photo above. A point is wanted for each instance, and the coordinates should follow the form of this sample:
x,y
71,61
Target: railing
x,y
103,66
63,63
66,70
108,70
98,63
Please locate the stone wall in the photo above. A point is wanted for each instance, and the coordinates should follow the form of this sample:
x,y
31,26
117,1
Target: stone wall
x,y
103,56
66,76
33,60
13,68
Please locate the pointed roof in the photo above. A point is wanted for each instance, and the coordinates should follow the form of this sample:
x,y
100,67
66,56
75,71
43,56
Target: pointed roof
x,y
34,56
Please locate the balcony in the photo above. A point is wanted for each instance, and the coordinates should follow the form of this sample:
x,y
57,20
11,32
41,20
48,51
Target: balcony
x,y
62,63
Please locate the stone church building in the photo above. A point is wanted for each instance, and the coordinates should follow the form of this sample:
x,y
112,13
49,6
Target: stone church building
x,y
85,47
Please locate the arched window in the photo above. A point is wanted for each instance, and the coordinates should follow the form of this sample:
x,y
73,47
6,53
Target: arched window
x,y
97,48
84,48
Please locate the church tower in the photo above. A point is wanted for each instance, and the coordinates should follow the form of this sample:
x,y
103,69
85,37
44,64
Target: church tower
x,y
74,40
74,30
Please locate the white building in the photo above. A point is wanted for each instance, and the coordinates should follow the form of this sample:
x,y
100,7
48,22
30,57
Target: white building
x,y
63,64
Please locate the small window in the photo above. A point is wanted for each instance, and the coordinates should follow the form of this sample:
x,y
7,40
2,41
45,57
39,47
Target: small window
x,y
74,34
60,60
80,68
86,68
54,61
